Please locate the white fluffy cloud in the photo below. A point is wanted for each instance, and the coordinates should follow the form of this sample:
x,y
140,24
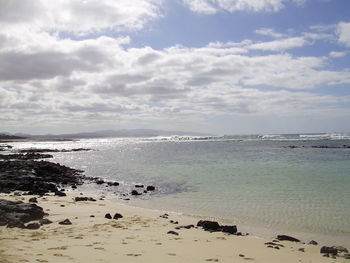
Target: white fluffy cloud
x,y
104,80
343,30
79,16
48,75
214,6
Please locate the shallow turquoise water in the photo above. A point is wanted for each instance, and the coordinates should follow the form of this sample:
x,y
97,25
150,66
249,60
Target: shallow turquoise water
x,y
259,182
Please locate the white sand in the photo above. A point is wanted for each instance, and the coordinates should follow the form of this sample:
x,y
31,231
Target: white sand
x,y
140,236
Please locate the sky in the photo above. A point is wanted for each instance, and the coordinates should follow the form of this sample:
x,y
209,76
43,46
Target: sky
x,y
212,66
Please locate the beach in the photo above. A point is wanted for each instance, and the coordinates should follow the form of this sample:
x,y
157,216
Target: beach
x,y
140,236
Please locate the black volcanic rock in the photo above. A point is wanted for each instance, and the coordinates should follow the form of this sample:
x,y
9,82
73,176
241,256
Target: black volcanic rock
x,y
65,222
36,177
213,226
150,188
229,229
15,214
108,216
33,226
287,238
81,198
117,216
210,226
329,250
134,192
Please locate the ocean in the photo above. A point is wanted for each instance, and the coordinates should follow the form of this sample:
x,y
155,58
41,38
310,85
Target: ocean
x,y
295,184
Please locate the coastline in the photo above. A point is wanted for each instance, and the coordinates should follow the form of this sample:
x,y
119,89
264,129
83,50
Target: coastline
x,y
140,236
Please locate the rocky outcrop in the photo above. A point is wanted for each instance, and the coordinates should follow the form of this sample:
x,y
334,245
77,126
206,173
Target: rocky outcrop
x,y
16,214
36,177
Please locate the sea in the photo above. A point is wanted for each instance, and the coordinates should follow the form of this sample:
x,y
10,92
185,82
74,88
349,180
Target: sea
x,y
267,184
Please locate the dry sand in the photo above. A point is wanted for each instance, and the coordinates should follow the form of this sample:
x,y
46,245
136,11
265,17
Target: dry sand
x,y
140,236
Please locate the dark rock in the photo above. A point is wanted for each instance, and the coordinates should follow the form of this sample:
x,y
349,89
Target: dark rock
x,y
81,198
241,255
287,238
117,216
273,244
59,193
341,249
210,226
313,242
347,256
35,177
134,192
239,234
112,183
15,223
173,222
45,221
33,200
171,232
213,226
108,216
329,250
139,186
276,247
65,222
164,216
150,188
186,227
15,214
74,186
100,181
92,216
33,226
229,229
301,249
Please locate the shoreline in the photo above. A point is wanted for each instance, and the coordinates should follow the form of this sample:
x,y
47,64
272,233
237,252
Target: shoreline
x,y
144,225
140,236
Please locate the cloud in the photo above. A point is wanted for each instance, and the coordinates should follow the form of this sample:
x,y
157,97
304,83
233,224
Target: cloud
x,y
214,6
343,31
269,32
81,16
49,75
338,54
281,44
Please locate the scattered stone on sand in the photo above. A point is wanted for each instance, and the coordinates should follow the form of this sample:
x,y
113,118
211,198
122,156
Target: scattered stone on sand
x,y
166,216
171,232
108,216
117,216
184,227
313,242
134,192
65,222
213,226
287,238
81,198
150,188
139,186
